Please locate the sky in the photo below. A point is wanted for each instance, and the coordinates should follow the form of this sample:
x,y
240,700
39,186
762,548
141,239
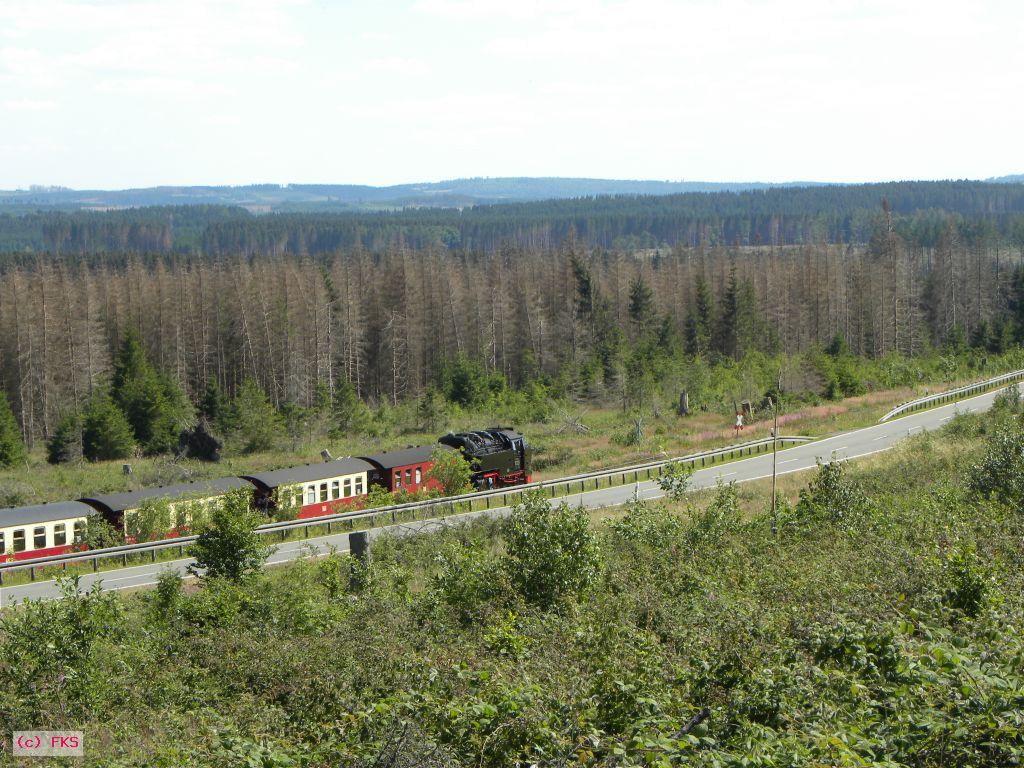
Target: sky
x,y
130,93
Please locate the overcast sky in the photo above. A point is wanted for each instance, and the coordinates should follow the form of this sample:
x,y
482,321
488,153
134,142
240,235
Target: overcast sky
x,y
118,93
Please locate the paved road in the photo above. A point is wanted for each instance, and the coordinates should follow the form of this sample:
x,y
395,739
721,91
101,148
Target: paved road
x,y
844,446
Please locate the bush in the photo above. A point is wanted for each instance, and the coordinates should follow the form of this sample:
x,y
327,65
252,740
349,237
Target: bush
x,y
830,496
674,480
968,582
999,473
648,525
450,470
99,534
229,547
550,552
467,582
167,595
1007,401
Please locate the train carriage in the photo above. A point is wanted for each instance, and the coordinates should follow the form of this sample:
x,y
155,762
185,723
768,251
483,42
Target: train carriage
x,y
313,489
119,509
406,469
41,530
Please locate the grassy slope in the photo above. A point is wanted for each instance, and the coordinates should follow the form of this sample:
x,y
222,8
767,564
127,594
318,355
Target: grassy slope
x,y
839,645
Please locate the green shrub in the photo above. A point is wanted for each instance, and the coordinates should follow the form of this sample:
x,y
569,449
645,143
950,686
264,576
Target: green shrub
x,y
999,473
470,582
450,470
674,480
550,552
229,546
969,582
647,525
831,496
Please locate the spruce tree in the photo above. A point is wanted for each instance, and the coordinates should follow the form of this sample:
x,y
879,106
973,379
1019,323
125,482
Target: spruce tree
x,y
641,303
349,414
257,423
699,320
12,449
155,407
106,433
65,444
213,405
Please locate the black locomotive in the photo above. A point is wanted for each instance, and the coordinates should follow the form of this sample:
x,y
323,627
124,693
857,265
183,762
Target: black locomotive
x,y
499,456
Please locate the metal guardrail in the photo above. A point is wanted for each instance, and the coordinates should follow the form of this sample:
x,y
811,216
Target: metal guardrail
x,y
436,508
953,394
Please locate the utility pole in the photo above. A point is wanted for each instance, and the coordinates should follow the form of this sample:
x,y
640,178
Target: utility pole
x,y
775,452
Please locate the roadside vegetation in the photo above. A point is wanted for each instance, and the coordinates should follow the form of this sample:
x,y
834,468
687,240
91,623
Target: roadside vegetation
x,y
876,620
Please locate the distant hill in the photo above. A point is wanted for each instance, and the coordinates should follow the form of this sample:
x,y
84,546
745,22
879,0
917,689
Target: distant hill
x,y
1016,179
456,193
922,211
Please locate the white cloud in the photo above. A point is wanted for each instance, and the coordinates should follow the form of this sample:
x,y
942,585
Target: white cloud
x,y
29,105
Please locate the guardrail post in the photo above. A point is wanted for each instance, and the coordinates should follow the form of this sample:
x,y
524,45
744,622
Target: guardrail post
x,y
95,564
152,555
124,559
32,573
359,546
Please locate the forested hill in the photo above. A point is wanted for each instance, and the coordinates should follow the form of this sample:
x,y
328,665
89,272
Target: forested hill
x,y
833,214
278,198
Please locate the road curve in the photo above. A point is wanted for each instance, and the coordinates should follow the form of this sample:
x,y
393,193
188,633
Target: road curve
x,y
843,446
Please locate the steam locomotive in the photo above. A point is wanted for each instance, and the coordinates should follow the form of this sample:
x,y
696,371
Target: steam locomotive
x,y
499,456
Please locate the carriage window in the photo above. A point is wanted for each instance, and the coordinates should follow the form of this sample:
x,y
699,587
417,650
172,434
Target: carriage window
x,y
3,544
419,476
323,491
359,485
39,537
79,530
336,489
297,501
348,487
408,477
398,478
19,540
311,494
60,535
